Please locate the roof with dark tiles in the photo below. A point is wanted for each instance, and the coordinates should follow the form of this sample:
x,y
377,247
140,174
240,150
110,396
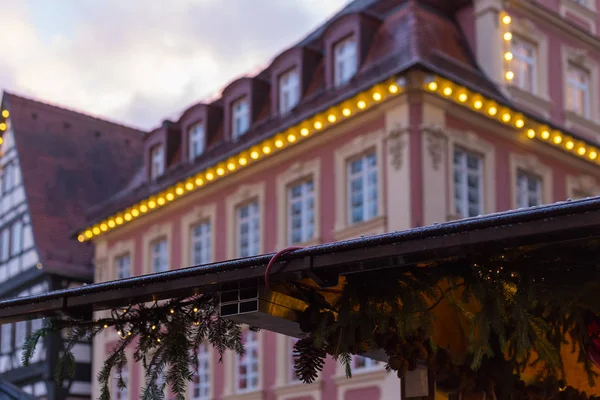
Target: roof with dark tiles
x,y
413,33
68,162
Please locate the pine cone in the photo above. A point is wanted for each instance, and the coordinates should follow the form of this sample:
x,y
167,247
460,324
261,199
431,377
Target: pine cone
x,y
308,360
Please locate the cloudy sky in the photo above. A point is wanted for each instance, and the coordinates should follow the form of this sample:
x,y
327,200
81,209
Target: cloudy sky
x,y
139,61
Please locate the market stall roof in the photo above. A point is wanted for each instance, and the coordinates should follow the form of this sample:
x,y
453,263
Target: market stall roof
x,y
568,229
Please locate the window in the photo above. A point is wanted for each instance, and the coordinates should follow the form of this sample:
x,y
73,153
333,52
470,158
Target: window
x,y
17,238
159,256
201,382
120,393
201,244
529,189
240,117
362,188
6,338
157,160
301,212
345,63
20,334
247,365
195,141
8,177
248,230
524,64
5,244
468,183
578,90
289,93
292,376
363,363
123,266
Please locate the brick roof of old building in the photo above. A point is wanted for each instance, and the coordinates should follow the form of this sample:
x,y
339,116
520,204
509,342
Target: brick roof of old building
x,y
68,162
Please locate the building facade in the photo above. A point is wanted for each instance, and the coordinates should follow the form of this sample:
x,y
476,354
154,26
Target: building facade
x,y
394,114
54,165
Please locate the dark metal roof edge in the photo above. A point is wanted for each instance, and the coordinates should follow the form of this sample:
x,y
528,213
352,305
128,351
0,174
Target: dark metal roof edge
x,y
219,272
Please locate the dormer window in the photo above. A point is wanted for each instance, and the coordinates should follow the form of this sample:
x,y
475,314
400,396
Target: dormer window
x,y
195,140
240,117
345,62
157,160
289,92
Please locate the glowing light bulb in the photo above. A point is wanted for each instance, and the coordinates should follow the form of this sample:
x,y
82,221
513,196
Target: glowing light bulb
x,y
88,234
135,212
266,149
447,91
508,36
153,327
581,151
279,143
569,145
2,126
254,155
1,140
195,309
158,340
243,161
151,204
105,326
170,196
127,216
220,171
210,176
346,112
199,181
376,96
393,88
592,155
111,222
545,135
530,133
361,104
143,208
304,132
172,311
161,201
318,125
510,75
331,118
96,230
478,104
432,86
179,191
230,166
519,123
492,110
557,139
5,113
462,97
119,220
81,238
103,227
506,19
508,56
291,138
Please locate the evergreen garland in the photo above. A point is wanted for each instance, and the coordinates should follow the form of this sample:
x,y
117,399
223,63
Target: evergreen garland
x,y
517,309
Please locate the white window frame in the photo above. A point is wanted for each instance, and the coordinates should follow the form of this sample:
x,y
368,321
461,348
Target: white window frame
x,y
304,200
122,264
20,334
240,117
289,90
201,385
462,209
524,65
368,364
363,176
6,344
248,360
6,234
576,88
204,239
345,60
524,194
16,238
254,227
157,161
196,140
159,253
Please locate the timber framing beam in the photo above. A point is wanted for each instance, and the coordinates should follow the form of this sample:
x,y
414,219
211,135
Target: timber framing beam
x,y
494,233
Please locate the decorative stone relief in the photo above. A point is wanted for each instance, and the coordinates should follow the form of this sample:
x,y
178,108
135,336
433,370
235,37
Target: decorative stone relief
x,y
396,144
435,146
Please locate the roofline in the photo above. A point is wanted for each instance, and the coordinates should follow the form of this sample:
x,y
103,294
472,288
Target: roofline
x,y
568,220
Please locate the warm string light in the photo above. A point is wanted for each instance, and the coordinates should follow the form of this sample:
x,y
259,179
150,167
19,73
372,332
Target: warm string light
x,y
332,116
509,75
